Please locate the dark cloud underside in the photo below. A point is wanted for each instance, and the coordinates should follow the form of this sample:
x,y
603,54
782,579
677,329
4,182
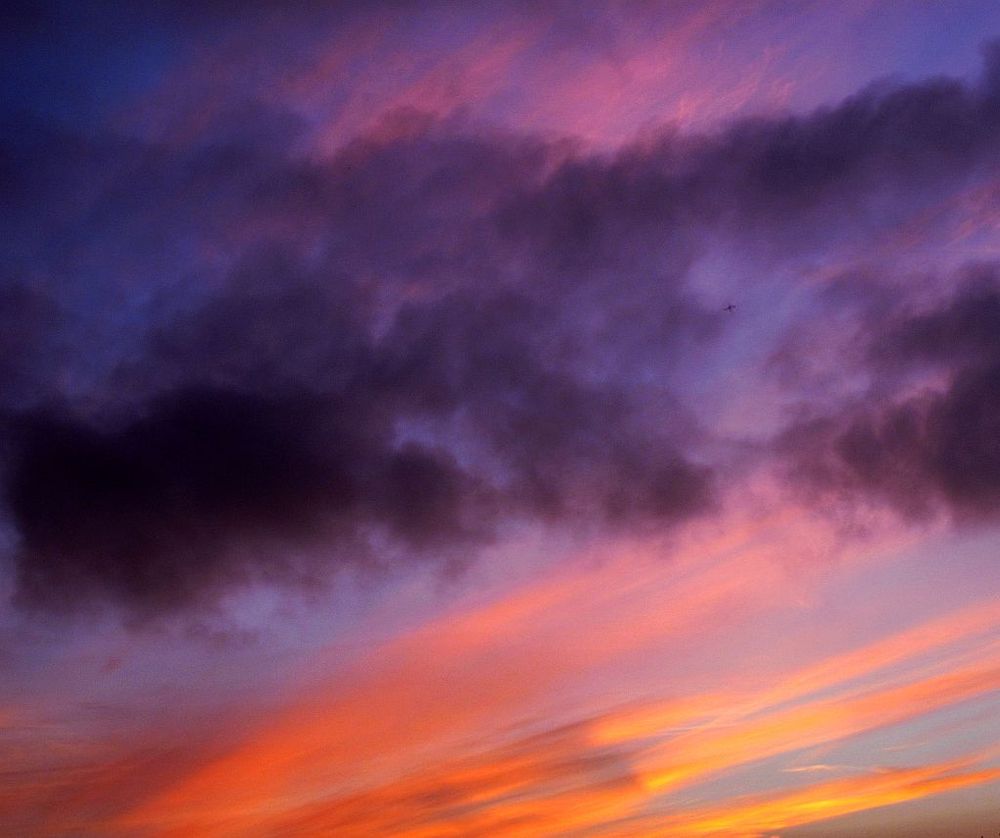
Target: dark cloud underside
x,y
937,446
220,355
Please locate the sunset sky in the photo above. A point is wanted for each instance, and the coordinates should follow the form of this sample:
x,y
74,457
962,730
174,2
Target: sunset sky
x,y
502,418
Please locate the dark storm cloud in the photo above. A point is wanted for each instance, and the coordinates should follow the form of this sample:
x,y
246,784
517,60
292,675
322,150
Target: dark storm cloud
x,y
780,184
904,137
154,513
228,355
918,451
293,408
163,502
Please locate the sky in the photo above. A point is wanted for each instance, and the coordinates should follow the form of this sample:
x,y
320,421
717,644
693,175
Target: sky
x,y
500,418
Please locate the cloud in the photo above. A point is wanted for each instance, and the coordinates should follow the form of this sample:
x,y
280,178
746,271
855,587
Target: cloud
x,y
761,814
438,331
625,758
165,509
929,441
780,183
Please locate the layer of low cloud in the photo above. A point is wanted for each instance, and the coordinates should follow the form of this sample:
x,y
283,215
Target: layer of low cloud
x,y
223,354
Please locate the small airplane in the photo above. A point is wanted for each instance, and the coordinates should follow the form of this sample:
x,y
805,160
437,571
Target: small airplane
x,y
729,307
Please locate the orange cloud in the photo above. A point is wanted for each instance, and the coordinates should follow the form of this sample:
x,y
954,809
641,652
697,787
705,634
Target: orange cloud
x,y
464,675
559,781
425,734
929,638
750,817
693,756
358,761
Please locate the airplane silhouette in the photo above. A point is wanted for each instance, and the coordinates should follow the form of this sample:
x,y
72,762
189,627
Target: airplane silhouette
x,y
729,307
